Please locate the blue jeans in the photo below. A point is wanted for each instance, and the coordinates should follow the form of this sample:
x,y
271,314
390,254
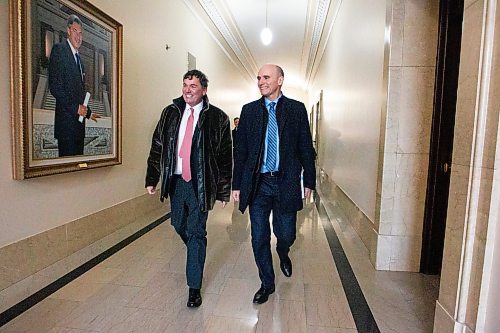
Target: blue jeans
x,y
266,201
190,223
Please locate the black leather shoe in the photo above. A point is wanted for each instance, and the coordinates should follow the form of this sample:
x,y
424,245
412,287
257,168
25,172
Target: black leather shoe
x,y
286,267
194,299
262,295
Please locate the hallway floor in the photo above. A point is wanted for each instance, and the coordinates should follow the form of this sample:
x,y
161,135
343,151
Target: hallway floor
x,y
142,287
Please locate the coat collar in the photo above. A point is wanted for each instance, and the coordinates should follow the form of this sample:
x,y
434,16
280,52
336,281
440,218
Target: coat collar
x,y
281,111
70,53
181,105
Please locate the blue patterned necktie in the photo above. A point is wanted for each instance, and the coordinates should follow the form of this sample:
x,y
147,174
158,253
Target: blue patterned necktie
x,y
79,64
272,139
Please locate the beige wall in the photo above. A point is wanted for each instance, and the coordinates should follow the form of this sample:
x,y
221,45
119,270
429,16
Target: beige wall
x,y
491,295
151,78
350,75
377,75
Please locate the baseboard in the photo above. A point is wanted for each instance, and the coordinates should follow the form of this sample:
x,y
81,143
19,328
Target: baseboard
x,y
32,264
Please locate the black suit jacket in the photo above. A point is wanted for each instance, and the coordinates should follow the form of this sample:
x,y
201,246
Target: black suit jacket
x,y
67,86
234,132
295,149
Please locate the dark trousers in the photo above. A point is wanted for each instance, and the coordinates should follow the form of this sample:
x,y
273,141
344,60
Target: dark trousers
x,y
265,202
70,146
190,223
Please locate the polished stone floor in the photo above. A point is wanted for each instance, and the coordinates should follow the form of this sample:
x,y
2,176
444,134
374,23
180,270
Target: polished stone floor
x,y
142,287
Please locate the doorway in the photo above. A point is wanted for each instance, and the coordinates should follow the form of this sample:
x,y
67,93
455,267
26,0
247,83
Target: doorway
x,y
441,145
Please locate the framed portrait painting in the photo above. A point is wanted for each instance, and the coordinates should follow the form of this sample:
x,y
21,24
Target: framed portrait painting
x,y
66,87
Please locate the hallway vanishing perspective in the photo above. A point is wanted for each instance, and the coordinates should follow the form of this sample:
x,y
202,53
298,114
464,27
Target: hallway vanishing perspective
x,y
403,105
141,288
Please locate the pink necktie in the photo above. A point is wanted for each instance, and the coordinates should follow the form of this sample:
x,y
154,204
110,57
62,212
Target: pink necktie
x,y
185,151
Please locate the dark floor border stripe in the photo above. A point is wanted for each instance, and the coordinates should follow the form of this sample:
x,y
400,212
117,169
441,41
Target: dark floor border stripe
x,y
361,312
43,293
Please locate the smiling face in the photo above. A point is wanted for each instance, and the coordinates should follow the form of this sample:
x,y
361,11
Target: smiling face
x,y
75,35
192,91
269,81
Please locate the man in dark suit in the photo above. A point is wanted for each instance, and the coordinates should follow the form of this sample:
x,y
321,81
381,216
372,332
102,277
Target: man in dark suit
x,y
66,84
274,147
191,153
236,121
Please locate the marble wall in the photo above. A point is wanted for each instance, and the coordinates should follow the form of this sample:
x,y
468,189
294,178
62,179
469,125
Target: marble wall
x,y
383,187
472,210
410,56
349,80
28,265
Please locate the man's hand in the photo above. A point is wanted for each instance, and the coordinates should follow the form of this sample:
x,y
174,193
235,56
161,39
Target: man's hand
x,y
223,204
94,116
236,196
151,189
82,110
307,192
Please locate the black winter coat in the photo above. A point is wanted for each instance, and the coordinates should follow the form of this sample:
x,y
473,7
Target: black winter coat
x,y
211,153
295,149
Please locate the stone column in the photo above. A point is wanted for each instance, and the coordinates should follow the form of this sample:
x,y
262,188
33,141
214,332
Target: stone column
x,y
410,60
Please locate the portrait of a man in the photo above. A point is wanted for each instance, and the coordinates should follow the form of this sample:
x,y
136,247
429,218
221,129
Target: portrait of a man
x,y
71,56
66,58
66,83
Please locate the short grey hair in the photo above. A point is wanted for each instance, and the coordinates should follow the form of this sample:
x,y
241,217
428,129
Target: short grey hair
x,y
280,71
73,19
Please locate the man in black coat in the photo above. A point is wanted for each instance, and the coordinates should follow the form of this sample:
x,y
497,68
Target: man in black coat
x,y
66,84
191,152
274,147
236,121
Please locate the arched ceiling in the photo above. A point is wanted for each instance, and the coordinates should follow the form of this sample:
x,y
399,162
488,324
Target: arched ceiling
x,y
300,30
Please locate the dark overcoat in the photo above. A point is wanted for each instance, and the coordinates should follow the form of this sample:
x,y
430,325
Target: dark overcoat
x,y
211,153
296,152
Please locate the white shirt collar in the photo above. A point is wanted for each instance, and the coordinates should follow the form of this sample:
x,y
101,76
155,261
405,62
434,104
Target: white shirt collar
x,y
72,48
197,108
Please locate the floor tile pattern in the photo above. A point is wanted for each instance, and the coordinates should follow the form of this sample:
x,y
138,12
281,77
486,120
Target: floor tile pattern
x,y
142,287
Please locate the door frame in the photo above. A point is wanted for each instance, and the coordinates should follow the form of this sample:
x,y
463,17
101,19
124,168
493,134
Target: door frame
x,y
441,144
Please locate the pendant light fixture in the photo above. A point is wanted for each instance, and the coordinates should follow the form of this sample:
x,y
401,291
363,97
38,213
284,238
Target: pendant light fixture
x,y
266,35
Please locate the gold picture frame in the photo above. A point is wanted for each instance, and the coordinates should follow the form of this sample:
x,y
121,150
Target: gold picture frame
x,y
35,27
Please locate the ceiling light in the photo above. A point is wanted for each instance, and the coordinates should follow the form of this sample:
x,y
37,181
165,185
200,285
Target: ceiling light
x,y
266,36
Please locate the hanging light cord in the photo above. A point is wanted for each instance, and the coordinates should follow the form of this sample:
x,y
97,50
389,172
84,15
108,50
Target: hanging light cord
x,y
266,35
267,4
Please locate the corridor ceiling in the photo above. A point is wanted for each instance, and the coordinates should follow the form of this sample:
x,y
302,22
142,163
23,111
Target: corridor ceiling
x,y
300,30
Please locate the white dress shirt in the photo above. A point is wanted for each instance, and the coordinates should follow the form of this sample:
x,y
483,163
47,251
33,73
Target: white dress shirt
x,y
182,130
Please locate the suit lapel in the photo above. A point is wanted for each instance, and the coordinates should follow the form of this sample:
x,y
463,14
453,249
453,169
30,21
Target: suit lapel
x,y
281,110
71,57
261,124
